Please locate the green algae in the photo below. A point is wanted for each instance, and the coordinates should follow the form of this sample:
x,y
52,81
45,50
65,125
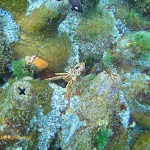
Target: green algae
x,y
16,7
143,142
102,138
55,50
43,93
97,25
19,68
141,6
132,19
142,119
42,21
107,59
15,118
89,5
140,44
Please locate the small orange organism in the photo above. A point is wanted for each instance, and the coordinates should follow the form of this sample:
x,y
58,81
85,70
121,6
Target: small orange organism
x,y
39,63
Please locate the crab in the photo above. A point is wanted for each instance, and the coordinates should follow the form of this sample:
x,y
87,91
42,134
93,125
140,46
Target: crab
x,y
70,77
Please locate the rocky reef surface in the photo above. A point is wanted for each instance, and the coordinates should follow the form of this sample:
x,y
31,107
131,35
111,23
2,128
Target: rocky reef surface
x,y
52,101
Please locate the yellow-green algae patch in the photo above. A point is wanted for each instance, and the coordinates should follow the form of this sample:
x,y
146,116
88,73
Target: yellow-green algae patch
x,y
43,92
98,25
143,143
38,34
40,21
54,50
17,109
131,17
142,119
16,7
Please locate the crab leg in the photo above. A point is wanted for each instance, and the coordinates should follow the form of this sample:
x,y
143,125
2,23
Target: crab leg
x,y
61,74
68,89
55,78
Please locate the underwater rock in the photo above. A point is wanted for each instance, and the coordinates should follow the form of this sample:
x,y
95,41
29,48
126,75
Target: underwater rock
x,y
40,34
89,5
143,142
119,138
6,56
97,26
54,50
9,27
136,87
131,17
22,92
132,52
46,24
17,8
141,6
142,119
18,98
38,37
97,98
57,6
96,32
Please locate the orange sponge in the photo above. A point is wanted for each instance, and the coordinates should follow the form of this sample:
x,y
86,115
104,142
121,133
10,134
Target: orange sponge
x,y
40,63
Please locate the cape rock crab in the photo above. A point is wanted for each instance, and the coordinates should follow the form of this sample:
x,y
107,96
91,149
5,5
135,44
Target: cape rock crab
x,y
70,77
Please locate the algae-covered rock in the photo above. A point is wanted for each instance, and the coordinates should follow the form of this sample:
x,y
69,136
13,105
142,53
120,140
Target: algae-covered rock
x,y
54,50
132,51
6,56
16,7
97,98
89,5
42,21
119,139
99,25
143,142
142,119
20,101
129,16
142,6
38,34
137,91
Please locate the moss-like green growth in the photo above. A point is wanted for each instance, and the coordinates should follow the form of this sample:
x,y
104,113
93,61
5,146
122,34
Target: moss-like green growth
x,y
79,87
42,21
89,5
102,138
98,25
107,59
43,93
16,7
132,18
18,108
143,142
142,119
142,6
140,43
54,50
19,68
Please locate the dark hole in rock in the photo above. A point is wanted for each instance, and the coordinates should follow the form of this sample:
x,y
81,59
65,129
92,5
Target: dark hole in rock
x,y
2,82
22,91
